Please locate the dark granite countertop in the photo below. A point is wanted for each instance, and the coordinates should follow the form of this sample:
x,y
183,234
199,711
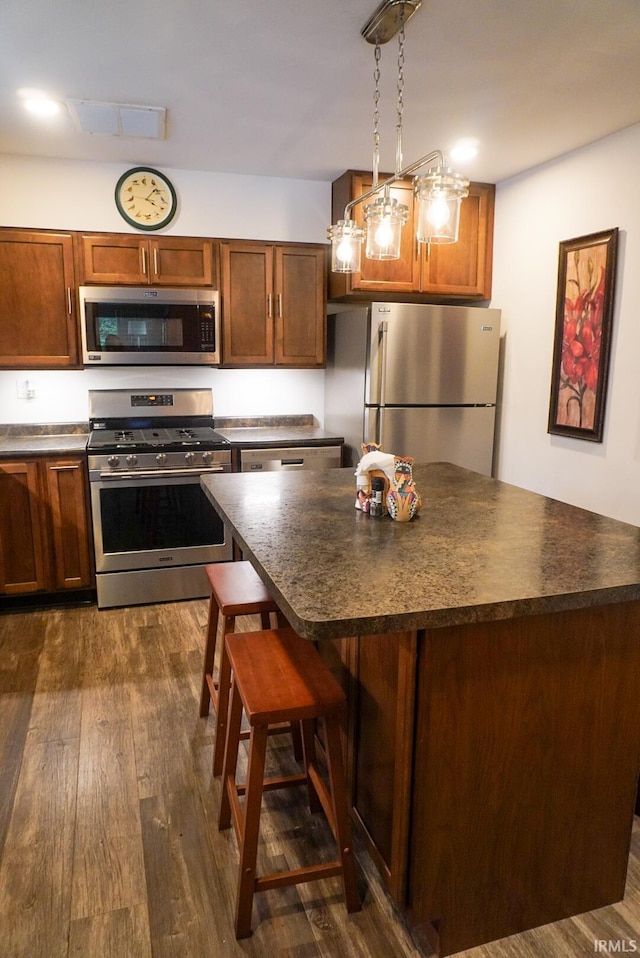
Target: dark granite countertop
x,y
43,440
258,432
480,550
257,437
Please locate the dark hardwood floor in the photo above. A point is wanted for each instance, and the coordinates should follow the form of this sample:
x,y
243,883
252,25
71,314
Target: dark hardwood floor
x,y
109,844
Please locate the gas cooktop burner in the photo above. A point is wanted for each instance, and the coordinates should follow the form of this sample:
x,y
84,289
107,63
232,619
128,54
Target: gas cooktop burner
x,y
178,437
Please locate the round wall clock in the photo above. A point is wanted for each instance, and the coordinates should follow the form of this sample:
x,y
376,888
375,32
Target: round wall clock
x,y
146,198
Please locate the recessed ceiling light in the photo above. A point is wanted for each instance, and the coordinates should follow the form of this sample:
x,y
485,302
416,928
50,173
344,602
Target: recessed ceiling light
x,y
38,103
42,107
464,150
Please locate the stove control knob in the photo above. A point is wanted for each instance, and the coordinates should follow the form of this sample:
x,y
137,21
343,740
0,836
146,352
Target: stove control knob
x,y
207,457
161,458
189,457
113,461
131,460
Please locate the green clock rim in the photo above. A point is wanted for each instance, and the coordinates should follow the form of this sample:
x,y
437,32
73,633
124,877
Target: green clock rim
x,y
136,224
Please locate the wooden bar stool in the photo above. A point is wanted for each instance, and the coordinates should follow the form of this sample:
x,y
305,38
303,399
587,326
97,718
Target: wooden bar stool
x,y
280,677
236,589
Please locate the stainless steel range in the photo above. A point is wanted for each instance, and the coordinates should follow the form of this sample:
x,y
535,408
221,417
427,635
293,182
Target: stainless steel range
x,y
154,530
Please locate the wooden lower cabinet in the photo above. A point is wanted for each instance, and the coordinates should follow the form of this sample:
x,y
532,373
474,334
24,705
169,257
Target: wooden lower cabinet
x,y
45,531
493,767
377,673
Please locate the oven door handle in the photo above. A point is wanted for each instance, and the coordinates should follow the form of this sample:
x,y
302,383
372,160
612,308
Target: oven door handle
x,y
159,473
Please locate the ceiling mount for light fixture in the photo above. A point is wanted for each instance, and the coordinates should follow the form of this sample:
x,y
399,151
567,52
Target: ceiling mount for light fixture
x,y
388,19
439,191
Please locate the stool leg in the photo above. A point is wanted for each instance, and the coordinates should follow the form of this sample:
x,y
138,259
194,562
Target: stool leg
x,y
298,752
232,745
265,621
223,703
209,655
250,830
309,749
339,802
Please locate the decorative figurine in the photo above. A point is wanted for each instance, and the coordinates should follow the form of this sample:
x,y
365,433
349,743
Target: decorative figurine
x,y
403,499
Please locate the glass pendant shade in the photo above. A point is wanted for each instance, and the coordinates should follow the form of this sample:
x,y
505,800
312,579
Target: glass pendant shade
x,y
439,193
384,220
346,246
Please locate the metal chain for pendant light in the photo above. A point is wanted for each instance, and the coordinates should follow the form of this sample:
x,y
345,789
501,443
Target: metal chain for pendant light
x,y
400,107
376,117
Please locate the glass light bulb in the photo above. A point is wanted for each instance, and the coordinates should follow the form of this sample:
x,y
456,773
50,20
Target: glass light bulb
x,y
384,234
438,212
344,252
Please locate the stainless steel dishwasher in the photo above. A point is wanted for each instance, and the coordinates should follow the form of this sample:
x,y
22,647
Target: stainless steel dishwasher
x,y
292,457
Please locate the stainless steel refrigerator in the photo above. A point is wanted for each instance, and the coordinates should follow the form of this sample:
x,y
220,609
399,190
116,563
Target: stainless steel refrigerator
x,y
420,380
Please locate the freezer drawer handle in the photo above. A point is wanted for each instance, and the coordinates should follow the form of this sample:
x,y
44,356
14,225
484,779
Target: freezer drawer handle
x,y
292,462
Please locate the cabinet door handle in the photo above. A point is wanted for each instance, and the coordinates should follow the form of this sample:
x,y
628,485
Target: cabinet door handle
x,y
156,262
63,468
280,305
69,301
143,254
270,305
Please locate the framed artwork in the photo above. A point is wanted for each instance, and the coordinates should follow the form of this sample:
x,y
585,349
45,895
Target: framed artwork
x,y
584,313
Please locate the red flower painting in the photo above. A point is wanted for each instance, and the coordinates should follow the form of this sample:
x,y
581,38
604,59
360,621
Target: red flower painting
x,y
585,297
582,337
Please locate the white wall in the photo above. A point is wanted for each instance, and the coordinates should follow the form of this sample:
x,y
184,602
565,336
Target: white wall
x,y
593,189
69,195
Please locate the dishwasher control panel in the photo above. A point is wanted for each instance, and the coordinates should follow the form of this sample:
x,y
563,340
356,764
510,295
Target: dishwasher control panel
x,y
291,457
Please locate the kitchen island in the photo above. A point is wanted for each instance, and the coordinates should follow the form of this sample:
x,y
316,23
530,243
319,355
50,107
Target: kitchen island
x,y
490,651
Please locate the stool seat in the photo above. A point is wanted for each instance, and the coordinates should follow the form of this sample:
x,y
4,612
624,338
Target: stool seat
x,y
236,589
279,677
302,689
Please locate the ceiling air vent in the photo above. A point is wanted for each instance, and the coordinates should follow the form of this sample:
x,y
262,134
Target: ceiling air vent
x,y
118,119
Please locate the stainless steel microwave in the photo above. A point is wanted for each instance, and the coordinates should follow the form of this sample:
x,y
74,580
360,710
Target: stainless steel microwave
x,y
146,326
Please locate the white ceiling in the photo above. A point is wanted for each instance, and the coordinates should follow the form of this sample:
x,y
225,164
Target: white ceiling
x,y
285,87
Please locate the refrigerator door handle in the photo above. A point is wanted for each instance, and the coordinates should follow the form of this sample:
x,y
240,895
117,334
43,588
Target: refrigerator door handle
x,y
373,425
382,379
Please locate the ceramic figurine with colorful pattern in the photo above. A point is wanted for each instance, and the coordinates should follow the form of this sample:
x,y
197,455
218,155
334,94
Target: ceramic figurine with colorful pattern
x,y
403,499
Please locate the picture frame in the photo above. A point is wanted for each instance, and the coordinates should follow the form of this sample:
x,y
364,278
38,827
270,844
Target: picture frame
x,y
582,340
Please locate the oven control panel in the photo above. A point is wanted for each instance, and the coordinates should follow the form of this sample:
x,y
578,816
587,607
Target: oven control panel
x,y
152,399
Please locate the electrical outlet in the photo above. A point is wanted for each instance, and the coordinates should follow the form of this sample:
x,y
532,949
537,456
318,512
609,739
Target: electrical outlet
x,y
25,389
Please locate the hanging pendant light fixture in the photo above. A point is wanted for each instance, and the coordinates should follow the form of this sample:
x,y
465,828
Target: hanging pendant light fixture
x,y
439,191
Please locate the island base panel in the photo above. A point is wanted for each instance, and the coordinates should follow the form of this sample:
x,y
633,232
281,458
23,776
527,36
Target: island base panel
x,y
527,753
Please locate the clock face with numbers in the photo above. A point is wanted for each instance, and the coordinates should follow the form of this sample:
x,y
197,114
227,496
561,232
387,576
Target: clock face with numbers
x,y
146,198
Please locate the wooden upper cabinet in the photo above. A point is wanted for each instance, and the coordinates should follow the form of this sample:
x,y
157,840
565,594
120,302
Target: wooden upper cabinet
x,y
300,306
38,327
376,276
464,268
273,304
457,272
247,303
122,259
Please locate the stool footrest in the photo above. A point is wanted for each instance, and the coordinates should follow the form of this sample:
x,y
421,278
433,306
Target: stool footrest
x,y
297,876
272,784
